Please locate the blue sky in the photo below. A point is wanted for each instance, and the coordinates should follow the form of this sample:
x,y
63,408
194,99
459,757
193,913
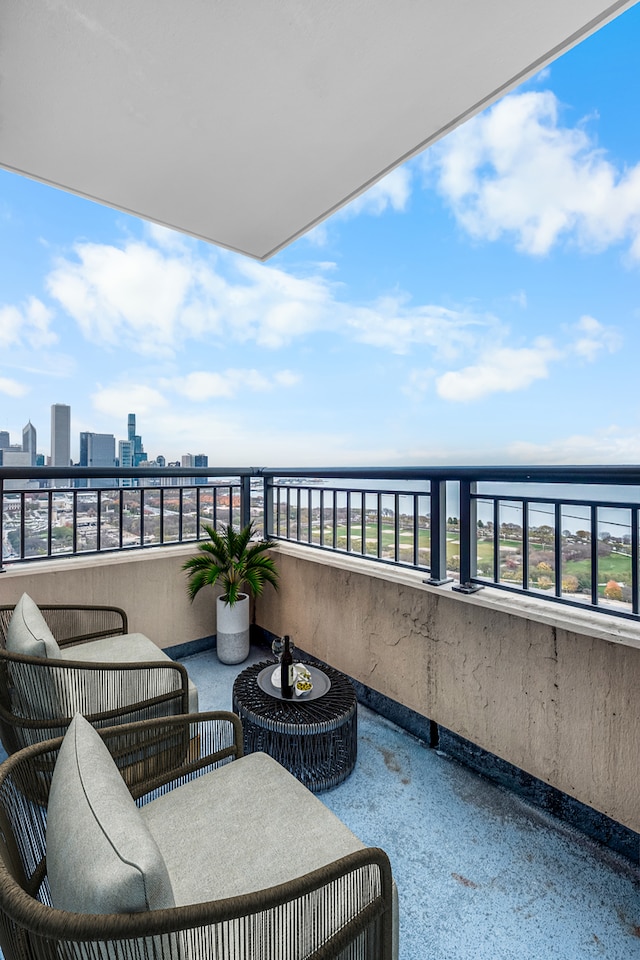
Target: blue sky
x,y
479,305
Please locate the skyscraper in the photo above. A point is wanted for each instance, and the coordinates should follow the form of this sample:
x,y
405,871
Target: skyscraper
x,y
201,460
138,455
125,459
98,450
29,442
60,438
5,440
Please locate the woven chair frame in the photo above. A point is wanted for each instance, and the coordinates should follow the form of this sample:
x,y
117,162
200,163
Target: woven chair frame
x,y
107,693
281,923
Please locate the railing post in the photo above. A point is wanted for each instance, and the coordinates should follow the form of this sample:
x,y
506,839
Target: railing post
x,y
2,569
468,535
245,500
267,498
438,534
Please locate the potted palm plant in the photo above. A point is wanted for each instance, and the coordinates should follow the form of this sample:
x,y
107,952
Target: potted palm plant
x,y
231,560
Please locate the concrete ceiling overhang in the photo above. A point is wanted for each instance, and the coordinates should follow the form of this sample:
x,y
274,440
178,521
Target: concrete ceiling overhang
x,y
247,122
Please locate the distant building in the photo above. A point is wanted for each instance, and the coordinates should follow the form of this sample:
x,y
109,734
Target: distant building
x,y
16,457
60,438
29,442
98,450
201,460
5,440
138,455
125,459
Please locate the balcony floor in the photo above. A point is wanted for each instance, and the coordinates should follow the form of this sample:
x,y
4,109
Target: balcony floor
x,y
480,873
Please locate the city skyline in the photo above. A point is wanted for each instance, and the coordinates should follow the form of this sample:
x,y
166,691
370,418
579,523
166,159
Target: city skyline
x,y
94,449
478,305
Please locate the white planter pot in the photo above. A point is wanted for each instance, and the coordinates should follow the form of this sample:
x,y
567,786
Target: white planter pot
x,y
232,630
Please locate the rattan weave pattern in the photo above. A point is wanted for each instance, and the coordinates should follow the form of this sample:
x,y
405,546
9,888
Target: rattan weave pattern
x,y
38,697
316,740
280,923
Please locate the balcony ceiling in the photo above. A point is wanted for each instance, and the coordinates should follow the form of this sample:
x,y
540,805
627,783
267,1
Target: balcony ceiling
x,y
247,123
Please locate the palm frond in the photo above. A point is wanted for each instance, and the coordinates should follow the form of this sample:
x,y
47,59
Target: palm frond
x,y
227,558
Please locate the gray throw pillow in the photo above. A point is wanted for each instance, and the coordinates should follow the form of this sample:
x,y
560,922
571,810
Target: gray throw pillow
x,y
101,857
28,632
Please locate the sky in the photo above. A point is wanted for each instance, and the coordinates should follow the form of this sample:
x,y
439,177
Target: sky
x,y
479,305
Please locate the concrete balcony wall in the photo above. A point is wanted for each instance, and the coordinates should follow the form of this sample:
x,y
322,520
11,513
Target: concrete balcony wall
x,y
550,689
148,584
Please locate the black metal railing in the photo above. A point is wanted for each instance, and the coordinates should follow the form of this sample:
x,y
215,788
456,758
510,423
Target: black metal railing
x,y
567,534
161,508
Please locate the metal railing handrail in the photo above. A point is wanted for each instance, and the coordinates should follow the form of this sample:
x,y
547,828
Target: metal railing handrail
x,y
288,495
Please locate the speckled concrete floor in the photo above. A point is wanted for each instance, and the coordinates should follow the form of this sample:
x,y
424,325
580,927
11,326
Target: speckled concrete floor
x,y
481,874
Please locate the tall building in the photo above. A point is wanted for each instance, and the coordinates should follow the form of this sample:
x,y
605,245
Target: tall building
x,y
14,456
29,442
138,454
60,438
5,440
201,460
98,450
125,459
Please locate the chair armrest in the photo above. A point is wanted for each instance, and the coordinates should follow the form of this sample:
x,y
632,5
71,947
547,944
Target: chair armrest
x,y
105,693
215,738
359,884
71,624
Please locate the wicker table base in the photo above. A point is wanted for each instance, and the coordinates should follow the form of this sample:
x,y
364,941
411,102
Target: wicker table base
x,y
315,740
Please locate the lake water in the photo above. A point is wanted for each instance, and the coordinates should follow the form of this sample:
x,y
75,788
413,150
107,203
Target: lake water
x,y
575,516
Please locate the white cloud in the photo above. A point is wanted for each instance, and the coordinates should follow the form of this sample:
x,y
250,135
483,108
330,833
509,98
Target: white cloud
x,y
12,388
149,300
28,324
120,399
124,297
516,170
152,301
607,446
503,370
392,191
592,337
287,378
203,385
392,324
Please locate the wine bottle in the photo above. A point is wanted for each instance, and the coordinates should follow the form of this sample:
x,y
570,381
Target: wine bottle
x,y
286,670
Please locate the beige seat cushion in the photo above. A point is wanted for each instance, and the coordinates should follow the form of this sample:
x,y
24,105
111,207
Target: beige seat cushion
x,y
127,648
268,829
28,632
101,857
245,827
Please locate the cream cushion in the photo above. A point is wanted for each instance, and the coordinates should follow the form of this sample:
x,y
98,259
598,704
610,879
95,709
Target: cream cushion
x,y
28,632
101,857
295,834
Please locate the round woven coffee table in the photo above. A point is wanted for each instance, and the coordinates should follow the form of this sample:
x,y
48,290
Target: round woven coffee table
x,y
315,739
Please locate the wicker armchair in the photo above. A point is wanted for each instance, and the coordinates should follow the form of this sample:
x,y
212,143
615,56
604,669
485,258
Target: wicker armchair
x,y
343,908
110,686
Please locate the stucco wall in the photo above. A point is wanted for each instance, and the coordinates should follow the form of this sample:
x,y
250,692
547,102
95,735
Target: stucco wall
x,y
558,699
148,584
553,691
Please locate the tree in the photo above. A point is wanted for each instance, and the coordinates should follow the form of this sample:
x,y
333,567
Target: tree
x,y
545,534
613,590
